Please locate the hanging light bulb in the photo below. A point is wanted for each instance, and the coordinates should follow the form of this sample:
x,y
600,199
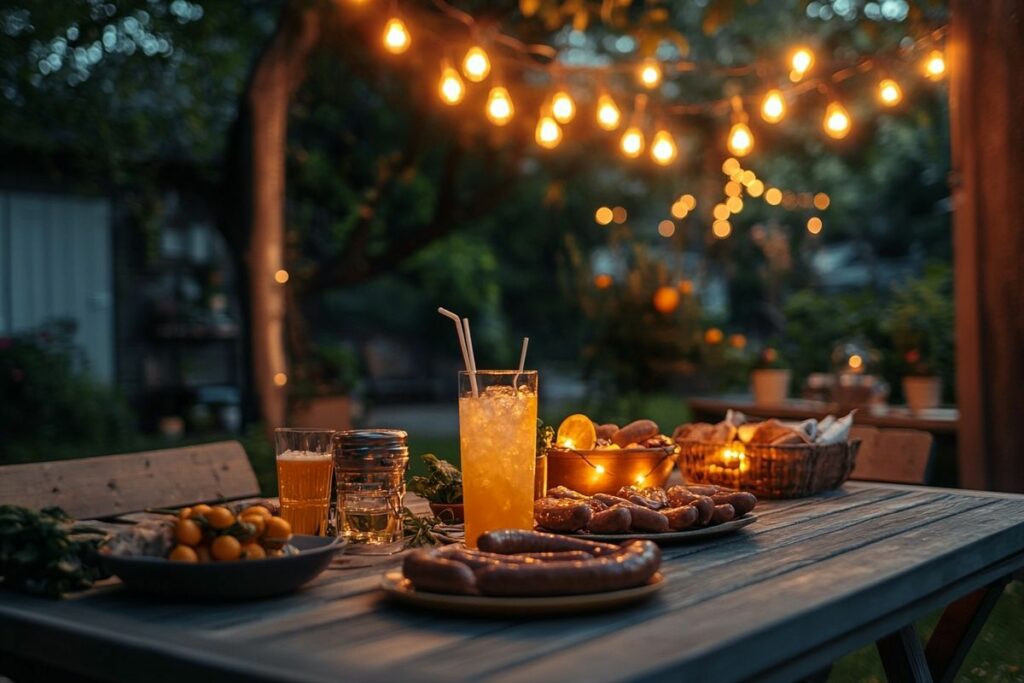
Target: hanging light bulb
x,y
396,36
837,121
663,148
632,142
563,108
451,88
608,114
741,140
801,60
650,73
889,92
476,64
548,133
935,65
499,106
773,106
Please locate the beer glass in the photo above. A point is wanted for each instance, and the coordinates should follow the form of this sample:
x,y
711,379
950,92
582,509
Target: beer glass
x,y
305,464
498,439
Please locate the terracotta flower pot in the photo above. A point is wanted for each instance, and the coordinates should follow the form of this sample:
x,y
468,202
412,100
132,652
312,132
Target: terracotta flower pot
x,y
769,386
449,513
922,393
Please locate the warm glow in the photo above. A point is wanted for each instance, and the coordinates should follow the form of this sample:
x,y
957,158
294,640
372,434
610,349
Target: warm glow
x,y
563,108
720,212
603,215
814,225
802,60
856,362
733,189
650,73
773,106
666,228
451,88
499,106
821,201
773,196
548,133
889,92
679,210
741,140
619,215
608,114
686,286
837,121
734,204
722,229
689,201
730,166
640,479
666,299
476,64
632,143
396,36
281,276
603,281
280,379
663,148
599,469
755,188
713,336
748,177
935,65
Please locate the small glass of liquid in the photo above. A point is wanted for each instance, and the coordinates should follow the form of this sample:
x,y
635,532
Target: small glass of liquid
x,y
370,514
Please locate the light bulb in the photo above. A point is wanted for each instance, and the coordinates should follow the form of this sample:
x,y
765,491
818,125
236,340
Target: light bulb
x,y
563,108
396,36
741,140
801,60
632,142
451,88
548,132
663,148
837,121
603,215
814,227
773,196
499,106
773,106
650,73
608,114
721,228
476,64
599,469
935,65
889,92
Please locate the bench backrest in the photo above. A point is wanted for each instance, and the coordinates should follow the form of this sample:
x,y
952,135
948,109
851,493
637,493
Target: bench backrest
x,y
902,456
117,484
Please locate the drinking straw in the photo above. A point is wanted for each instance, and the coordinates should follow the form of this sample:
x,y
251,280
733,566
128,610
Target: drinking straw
x,y
462,345
472,358
522,362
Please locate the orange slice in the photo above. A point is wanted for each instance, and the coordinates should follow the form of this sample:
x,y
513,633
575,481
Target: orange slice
x,y
577,431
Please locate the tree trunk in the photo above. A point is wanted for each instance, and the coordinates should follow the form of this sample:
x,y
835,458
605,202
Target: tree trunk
x,y
985,50
278,74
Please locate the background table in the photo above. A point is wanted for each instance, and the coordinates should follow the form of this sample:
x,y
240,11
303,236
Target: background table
x,y
811,580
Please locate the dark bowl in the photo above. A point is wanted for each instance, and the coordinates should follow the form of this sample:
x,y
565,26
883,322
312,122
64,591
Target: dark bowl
x,y
239,580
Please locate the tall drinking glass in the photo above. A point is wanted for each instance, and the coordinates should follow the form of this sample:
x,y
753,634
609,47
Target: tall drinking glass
x,y
498,439
305,463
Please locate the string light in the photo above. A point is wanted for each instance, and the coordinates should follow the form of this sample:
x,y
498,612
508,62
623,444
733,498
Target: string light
x,y
281,276
747,177
821,201
650,73
733,189
721,212
548,132
935,66
730,166
679,211
451,88
773,196
773,106
741,140
603,281
599,469
801,61
476,64
499,106
632,142
666,228
603,215
734,204
688,201
721,229
619,214
663,148
889,92
563,108
755,188
396,36
608,114
280,379
814,225
837,121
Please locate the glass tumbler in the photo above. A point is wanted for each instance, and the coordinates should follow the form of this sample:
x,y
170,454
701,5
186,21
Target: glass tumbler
x,y
304,469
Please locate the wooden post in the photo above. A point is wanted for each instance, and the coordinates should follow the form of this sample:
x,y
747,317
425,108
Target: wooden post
x,y
278,73
985,52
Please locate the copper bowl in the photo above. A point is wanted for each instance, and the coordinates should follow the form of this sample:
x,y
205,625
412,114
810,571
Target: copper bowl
x,y
606,471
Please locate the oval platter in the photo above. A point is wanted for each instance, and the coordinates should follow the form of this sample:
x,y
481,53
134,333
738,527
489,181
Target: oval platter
x,y
668,537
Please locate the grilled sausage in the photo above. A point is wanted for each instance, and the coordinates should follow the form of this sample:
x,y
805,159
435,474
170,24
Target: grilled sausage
x,y
742,501
706,507
614,520
706,489
649,498
644,519
723,513
562,514
429,572
565,492
679,496
511,541
632,565
634,432
610,500
681,518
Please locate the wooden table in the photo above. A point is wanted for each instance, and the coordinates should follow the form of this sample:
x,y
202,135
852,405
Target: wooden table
x,y
811,580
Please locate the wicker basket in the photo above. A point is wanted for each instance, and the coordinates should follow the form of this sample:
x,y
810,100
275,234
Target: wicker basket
x,y
768,471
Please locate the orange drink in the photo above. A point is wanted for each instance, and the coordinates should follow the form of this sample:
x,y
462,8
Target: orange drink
x,y
498,440
305,464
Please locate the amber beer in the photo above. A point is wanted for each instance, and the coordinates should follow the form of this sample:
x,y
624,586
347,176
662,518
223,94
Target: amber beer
x,y
305,465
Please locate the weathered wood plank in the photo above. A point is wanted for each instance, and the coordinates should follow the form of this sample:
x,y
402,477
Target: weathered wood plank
x,y
903,656
117,484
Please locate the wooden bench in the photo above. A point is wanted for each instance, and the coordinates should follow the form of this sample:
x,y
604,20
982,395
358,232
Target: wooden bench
x,y
113,485
899,456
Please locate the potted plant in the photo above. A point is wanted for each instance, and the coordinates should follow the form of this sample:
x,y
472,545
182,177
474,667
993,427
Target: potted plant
x,y
323,388
769,380
922,388
442,487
